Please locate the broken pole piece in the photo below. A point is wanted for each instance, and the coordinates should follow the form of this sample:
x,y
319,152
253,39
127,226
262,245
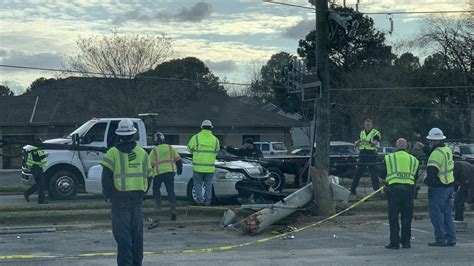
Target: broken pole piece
x,y
261,220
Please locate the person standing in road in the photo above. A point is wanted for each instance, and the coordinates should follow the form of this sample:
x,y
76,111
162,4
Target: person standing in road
x,y
124,181
400,174
166,163
368,142
464,182
36,162
248,150
440,181
204,147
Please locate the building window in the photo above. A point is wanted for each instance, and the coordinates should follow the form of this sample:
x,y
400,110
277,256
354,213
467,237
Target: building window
x,y
256,138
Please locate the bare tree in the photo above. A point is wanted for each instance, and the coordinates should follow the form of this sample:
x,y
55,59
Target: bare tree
x,y
118,60
120,56
451,37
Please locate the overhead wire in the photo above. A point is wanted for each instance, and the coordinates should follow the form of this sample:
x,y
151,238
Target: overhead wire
x,y
373,13
226,82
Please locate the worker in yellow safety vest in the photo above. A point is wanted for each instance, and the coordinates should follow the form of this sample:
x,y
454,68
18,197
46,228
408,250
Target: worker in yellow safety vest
x,y
166,163
204,147
36,162
368,142
440,182
400,173
124,181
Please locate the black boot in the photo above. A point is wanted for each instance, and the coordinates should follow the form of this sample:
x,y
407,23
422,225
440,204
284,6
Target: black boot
x,y
391,246
173,212
27,196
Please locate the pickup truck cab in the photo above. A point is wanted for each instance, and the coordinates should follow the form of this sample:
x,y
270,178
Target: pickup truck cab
x,y
67,169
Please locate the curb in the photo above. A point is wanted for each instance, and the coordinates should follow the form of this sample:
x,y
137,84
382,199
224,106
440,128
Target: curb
x,y
145,223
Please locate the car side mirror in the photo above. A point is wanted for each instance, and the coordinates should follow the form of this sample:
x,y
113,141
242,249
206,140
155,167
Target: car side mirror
x,y
75,139
457,153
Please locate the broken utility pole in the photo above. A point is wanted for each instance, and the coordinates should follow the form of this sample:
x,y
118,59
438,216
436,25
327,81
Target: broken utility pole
x,y
322,194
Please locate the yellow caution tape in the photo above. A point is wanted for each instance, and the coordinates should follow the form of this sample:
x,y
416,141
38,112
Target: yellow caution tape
x,y
203,250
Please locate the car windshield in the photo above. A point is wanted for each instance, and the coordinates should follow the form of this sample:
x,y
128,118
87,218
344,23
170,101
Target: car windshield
x,y
279,146
83,129
343,149
467,149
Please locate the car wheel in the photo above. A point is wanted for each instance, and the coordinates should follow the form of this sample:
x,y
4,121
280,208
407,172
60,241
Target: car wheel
x,y
192,193
63,185
279,179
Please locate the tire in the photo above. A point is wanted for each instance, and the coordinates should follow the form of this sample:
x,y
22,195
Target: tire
x,y
63,185
192,196
279,177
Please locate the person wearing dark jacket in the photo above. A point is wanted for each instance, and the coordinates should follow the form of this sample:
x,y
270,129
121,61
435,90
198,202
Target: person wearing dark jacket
x,y
464,181
400,174
440,181
124,181
248,150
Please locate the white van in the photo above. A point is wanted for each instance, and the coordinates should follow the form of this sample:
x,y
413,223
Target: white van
x,y
271,148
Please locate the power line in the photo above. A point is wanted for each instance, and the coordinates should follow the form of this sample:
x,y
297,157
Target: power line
x,y
226,82
376,13
403,107
117,76
404,88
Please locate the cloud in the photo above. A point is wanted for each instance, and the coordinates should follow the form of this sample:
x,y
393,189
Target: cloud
x,y
45,60
221,66
197,13
299,30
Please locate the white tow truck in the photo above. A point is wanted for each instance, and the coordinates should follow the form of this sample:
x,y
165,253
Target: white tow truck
x,y
68,170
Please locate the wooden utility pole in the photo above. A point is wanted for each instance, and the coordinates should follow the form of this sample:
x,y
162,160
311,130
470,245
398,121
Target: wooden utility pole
x,y
322,193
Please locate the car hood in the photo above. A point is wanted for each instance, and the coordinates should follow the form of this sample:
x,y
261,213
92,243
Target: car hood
x,y
254,170
59,141
51,141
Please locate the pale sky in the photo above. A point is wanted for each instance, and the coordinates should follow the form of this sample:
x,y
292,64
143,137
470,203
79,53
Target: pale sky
x,y
227,34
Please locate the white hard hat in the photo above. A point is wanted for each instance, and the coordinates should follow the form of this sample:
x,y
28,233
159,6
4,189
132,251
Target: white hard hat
x,y
125,128
206,123
436,134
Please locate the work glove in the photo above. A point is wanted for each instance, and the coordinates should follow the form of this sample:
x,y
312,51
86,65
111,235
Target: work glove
x,y
179,171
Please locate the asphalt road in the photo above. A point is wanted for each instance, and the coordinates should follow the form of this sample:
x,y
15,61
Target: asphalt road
x,y
341,243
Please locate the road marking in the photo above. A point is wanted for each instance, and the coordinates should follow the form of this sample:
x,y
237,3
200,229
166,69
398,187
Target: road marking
x,y
203,250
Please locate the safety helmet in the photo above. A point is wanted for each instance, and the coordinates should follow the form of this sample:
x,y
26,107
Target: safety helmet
x,y
436,134
159,137
207,123
125,128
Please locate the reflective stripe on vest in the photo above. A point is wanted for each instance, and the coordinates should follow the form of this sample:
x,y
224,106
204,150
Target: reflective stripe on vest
x,y
167,165
401,168
130,170
204,155
30,161
442,159
365,139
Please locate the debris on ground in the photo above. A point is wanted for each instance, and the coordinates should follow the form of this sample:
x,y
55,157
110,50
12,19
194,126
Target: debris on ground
x,y
262,219
228,218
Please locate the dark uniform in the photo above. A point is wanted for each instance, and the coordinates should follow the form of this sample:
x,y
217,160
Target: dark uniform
x,y
124,181
464,179
36,162
367,158
400,173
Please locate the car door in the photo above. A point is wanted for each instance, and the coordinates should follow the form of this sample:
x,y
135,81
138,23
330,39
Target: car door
x,y
95,137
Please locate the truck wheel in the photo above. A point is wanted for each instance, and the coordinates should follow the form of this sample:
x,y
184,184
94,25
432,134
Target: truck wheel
x,y
192,193
279,178
63,185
